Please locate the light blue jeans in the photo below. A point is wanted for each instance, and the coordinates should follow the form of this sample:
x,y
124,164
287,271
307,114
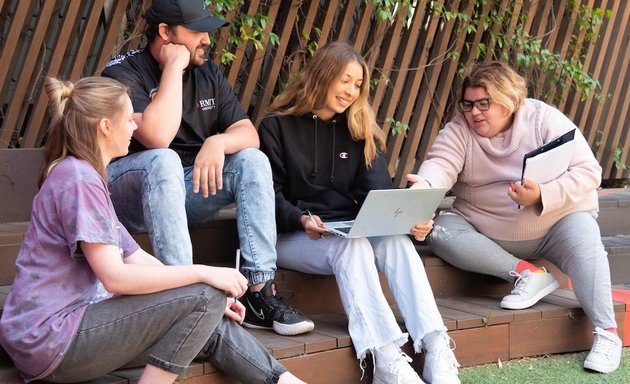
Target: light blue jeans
x,y
153,193
355,264
573,244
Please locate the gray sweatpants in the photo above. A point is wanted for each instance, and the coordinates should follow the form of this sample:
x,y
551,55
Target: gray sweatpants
x,y
573,244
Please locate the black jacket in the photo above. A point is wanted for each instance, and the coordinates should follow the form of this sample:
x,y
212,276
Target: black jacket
x,y
318,166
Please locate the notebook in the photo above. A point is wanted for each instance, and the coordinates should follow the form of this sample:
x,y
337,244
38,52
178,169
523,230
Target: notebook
x,y
390,212
550,160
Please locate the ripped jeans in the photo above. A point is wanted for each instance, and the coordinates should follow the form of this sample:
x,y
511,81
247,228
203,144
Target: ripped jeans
x,y
355,264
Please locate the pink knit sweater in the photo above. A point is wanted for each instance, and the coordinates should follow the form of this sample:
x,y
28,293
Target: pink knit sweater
x,y
479,169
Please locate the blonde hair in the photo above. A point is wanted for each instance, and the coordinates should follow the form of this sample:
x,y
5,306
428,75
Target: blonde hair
x,y
307,92
75,111
504,85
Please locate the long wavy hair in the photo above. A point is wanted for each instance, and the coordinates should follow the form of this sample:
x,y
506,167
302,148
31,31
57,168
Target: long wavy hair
x,y
75,111
307,92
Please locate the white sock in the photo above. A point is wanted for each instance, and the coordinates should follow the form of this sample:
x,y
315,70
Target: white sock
x,y
433,340
386,354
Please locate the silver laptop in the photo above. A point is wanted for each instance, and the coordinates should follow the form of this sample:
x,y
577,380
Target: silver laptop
x,y
390,212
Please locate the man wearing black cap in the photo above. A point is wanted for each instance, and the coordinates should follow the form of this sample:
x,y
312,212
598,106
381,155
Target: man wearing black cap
x,y
194,152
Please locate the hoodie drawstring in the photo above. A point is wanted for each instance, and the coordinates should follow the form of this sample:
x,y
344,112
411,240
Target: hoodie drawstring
x,y
332,169
315,170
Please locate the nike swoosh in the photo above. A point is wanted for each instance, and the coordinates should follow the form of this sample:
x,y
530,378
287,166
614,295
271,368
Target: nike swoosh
x,y
260,314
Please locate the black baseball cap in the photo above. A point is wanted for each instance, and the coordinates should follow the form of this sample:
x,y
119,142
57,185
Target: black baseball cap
x,y
192,14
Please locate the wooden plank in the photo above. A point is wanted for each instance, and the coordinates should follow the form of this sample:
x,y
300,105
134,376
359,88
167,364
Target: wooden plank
x,y
273,71
79,68
487,315
420,106
12,233
19,169
560,334
248,86
316,341
410,92
300,294
327,24
494,303
574,98
7,60
338,366
8,254
494,339
28,74
607,153
345,21
58,54
12,39
360,33
551,37
584,118
279,346
462,319
111,34
415,148
579,43
610,85
390,89
239,53
334,325
386,58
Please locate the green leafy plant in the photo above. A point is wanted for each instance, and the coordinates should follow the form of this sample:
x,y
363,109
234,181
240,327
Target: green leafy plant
x,y
617,153
510,41
397,126
386,10
243,28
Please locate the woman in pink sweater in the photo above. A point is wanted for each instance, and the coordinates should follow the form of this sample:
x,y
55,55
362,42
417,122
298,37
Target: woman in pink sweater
x,y
499,221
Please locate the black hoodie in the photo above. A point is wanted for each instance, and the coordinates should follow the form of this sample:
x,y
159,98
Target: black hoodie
x,y
317,166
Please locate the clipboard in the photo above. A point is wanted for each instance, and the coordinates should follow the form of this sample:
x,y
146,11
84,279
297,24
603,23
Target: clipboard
x,y
550,160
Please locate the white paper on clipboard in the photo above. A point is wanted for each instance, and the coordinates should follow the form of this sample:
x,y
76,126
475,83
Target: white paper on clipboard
x,y
550,160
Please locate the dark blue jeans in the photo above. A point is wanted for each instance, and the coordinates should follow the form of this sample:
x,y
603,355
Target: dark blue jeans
x,y
168,330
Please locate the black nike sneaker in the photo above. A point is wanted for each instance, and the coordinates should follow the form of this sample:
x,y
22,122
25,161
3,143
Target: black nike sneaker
x,y
268,311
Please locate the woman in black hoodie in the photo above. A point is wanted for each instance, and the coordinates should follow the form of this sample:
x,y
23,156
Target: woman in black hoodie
x,y
325,150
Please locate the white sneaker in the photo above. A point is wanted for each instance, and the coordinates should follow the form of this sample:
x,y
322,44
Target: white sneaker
x,y
396,372
440,364
605,354
529,288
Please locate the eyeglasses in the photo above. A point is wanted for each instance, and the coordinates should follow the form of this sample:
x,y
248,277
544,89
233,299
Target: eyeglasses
x,y
481,104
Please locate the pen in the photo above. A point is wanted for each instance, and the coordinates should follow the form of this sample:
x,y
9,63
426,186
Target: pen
x,y
238,266
310,215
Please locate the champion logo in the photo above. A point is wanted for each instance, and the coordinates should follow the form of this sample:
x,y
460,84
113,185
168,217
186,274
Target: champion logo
x,y
258,314
343,155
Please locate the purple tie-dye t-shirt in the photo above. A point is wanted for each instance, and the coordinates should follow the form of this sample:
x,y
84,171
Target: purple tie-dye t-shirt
x,y
54,282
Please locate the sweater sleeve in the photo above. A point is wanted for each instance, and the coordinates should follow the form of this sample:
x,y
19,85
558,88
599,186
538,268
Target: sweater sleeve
x,y
446,157
583,175
374,177
287,214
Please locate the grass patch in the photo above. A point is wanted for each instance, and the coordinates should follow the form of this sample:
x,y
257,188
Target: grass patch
x,y
554,369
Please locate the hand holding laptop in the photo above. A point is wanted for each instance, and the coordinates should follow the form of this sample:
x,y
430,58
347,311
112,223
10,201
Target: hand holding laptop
x,y
421,230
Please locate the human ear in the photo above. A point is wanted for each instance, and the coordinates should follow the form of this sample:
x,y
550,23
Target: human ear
x,y
164,31
104,126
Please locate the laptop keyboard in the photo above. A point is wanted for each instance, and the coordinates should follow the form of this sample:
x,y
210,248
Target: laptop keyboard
x,y
343,229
